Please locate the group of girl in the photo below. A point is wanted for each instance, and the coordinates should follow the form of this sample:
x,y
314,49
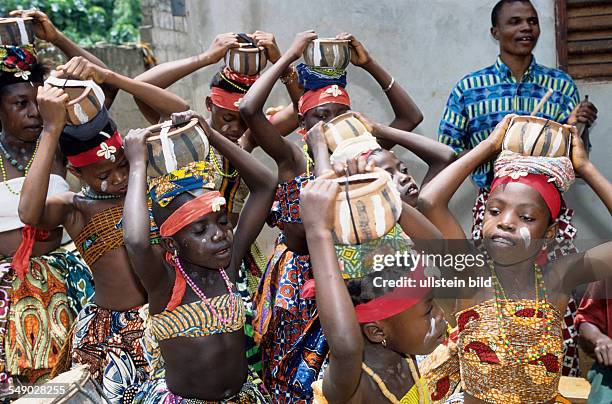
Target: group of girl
x,y
176,316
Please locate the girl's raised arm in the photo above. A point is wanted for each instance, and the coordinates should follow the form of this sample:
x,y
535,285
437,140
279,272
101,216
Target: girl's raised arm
x,y
35,209
260,180
407,114
434,198
334,305
136,221
286,154
162,101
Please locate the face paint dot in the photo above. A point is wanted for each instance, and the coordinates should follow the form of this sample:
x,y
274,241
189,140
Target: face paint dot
x,y
104,186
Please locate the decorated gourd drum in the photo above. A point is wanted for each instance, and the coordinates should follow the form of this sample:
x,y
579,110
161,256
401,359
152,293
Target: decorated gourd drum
x,y
369,211
16,31
246,59
534,136
86,98
328,53
171,147
343,127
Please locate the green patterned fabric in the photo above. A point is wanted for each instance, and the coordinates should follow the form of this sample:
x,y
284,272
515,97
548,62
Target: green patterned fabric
x,y
357,260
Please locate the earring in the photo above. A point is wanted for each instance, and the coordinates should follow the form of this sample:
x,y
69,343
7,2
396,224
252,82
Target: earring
x,y
542,257
384,342
175,254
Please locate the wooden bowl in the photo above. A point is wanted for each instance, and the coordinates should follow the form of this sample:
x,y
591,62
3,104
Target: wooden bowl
x,y
86,98
16,31
343,127
174,146
375,204
246,59
328,53
534,136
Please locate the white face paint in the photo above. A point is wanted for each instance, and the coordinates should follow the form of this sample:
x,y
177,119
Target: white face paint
x,y
432,328
524,232
104,186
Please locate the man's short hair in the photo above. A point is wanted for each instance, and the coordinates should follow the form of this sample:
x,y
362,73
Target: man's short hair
x,y
499,5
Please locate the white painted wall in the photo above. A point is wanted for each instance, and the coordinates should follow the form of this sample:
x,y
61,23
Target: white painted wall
x,y
427,45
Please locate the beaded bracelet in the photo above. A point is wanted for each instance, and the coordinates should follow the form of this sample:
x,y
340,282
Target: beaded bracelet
x,y
290,76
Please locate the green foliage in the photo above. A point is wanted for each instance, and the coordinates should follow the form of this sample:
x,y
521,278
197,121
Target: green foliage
x,y
88,21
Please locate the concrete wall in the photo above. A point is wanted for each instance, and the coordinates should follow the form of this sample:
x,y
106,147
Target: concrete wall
x,y
426,45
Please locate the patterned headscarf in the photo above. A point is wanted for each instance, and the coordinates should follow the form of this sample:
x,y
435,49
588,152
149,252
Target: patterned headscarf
x,y
196,175
549,176
559,170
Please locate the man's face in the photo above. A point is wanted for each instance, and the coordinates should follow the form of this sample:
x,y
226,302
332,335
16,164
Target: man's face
x,y
517,28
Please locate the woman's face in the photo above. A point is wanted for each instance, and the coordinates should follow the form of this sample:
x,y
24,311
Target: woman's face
x,y
207,242
515,223
105,176
325,113
417,330
406,185
19,111
227,122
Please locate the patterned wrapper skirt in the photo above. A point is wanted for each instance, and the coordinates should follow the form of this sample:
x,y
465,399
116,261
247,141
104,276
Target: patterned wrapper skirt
x,y
109,342
155,391
287,324
36,314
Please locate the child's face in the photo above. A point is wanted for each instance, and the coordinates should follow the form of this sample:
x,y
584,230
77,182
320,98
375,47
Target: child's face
x,y
406,185
325,113
417,330
106,176
515,223
208,241
227,122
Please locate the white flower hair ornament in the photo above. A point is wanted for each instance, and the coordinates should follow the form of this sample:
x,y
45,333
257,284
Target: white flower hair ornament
x,y
106,151
217,203
334,90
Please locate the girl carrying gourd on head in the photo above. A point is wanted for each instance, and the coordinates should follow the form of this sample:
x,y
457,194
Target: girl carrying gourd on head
x,y
196,333
373,330
509,337
293,344
37,276
108,329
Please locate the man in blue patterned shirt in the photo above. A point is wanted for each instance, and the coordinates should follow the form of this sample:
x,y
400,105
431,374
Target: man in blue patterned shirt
x,y
515,83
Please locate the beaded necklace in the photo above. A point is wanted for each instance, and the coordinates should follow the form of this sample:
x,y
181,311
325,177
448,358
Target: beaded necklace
x,y
15,164
243,90
202,296
88,193
385,391
213,160
504,321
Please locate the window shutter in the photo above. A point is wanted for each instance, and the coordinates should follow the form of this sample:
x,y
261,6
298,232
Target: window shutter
x,y
584,38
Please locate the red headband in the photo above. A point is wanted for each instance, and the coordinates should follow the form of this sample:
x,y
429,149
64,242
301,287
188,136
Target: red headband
x,y
401,298
190,212
540,183
104,151
225,99
326,95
